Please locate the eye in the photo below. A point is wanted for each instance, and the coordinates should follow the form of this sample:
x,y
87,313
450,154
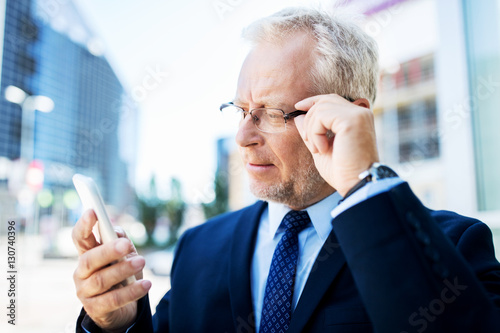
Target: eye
x,y
274,116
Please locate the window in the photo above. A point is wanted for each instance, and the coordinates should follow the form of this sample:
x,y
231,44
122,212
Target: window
x,y
417,131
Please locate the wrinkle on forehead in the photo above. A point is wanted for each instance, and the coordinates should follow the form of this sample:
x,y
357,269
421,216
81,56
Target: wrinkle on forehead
x,y
273,74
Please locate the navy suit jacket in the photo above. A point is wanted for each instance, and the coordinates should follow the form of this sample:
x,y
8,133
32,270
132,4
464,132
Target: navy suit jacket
x,y
389,265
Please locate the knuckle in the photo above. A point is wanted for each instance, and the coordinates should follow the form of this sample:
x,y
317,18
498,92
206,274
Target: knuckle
x,y
80,294
94,308
76,275
84,264
115,299
74,236
109,252
90,309
133,292
97,281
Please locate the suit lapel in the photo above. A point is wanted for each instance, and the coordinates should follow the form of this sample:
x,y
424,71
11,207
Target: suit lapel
x,y
242,249
326,267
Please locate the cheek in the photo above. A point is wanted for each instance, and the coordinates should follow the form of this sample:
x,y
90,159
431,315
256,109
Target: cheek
x,y
291,154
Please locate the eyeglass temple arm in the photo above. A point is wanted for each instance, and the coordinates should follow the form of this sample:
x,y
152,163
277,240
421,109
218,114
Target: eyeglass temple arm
x,y
293,114
225,105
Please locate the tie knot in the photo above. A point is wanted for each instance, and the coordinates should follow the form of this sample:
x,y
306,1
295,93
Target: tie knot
x,y
295,221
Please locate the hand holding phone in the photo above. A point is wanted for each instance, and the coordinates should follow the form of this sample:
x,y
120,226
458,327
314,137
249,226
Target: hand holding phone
x,y
91,199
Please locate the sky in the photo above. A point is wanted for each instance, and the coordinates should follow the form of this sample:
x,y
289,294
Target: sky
x,y
180,60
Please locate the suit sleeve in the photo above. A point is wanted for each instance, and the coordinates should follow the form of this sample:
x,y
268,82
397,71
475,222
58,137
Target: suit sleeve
x,y
161,319
417,270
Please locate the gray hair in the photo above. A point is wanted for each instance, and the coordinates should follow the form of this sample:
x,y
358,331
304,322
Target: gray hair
x,y
346,57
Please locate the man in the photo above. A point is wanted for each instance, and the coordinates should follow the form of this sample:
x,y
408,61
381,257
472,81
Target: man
x,y
384,262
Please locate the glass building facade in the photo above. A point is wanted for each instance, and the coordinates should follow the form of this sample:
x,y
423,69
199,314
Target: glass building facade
x,y
482,36
45,52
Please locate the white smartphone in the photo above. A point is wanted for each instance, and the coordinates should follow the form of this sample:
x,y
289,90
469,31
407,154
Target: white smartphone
x,y
91,199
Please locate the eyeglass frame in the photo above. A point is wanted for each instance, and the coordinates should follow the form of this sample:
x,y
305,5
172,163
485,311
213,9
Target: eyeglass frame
x,y
286,116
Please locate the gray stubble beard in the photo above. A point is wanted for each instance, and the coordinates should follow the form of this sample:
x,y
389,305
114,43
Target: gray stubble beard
x,y
299,191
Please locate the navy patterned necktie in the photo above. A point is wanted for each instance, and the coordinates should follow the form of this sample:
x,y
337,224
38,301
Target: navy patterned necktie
x,y
277,306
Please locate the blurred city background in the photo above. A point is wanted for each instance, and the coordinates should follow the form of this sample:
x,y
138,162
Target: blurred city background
x,y
127,92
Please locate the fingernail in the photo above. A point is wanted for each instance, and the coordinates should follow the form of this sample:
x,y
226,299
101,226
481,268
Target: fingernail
x,y
146,284
88,214
137,262
122,245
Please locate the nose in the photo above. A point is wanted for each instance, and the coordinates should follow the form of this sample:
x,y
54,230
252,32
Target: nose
x,y
248,134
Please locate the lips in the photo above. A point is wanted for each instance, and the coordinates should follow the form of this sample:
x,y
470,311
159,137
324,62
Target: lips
x,y
259,169
260,164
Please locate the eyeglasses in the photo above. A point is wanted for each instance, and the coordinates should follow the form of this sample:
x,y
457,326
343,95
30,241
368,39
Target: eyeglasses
x,y
267,120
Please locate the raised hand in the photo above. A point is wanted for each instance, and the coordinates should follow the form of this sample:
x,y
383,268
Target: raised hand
x,y
340,136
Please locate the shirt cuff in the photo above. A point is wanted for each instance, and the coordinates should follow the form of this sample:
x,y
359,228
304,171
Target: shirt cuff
x,y
371,189
89,326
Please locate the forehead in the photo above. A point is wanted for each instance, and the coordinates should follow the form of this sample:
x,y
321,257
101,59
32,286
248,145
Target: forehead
x,y
277,73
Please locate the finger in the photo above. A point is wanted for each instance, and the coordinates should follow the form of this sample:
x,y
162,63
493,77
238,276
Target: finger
x,y
299,124
319,135
310,130
120,232
101,256
321,143
105,279
82,234
117,298
307,103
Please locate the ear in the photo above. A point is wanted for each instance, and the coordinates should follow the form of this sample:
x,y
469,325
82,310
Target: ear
x,y
362,102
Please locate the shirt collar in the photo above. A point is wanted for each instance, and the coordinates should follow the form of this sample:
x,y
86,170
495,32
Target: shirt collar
x,y
319,214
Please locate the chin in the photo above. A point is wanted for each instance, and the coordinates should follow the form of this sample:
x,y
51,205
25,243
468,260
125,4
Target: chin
x,y
302,188
269,192
291,193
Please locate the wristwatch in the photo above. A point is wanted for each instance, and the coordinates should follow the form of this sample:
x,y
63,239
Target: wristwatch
x,y
375,173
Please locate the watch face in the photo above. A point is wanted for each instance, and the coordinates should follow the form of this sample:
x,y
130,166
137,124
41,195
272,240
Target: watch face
x,y
382,171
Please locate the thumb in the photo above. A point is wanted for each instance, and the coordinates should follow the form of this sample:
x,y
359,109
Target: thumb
x,y
82,234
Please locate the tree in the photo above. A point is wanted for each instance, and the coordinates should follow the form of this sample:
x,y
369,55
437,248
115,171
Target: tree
x,y
221,202
150,207
175,208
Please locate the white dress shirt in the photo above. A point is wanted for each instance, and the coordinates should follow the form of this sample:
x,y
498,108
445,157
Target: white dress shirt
x,y
311,239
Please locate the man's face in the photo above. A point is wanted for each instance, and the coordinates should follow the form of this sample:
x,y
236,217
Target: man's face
x,y
279,165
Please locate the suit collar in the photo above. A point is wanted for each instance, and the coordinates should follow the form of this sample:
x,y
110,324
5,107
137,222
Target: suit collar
x,y
242,248
327,266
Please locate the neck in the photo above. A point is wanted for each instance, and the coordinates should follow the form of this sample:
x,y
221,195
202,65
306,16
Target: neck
x,y
321,195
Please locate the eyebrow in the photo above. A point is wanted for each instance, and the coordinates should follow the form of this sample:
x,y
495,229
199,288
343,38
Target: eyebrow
x,y
266,101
